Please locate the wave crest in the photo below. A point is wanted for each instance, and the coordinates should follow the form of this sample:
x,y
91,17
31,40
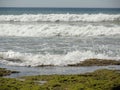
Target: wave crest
x,y
48,30
60,17
27,59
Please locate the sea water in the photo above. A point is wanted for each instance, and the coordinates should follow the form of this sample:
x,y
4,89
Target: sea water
x,y
58,36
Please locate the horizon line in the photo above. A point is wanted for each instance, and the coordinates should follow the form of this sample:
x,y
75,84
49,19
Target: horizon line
x,y
64,7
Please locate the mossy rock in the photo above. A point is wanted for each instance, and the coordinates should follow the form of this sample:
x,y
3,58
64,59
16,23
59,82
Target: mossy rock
x,y
98,80
4,72
96,62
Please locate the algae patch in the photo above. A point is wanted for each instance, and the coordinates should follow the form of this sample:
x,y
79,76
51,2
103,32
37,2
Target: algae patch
x,y
96,62
98,80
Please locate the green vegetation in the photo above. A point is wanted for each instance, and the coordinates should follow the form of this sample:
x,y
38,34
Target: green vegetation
x,y
97,62
98,80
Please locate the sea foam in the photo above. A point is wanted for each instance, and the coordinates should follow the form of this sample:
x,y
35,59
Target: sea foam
x,y
48,30
60,17
28,59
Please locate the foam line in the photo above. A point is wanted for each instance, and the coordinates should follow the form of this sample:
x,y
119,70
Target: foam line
x,y
60,17
28,59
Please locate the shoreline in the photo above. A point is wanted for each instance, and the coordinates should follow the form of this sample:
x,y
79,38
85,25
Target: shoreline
x,y
88,65
102,79
96,74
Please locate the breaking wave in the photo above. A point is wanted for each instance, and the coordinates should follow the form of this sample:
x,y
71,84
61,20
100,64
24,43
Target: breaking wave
x,y
28,59
48,30
60,17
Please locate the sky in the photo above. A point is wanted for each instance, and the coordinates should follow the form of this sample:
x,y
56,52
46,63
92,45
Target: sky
x,y
61,3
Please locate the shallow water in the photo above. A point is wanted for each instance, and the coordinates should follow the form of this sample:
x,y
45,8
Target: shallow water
x,y
29,71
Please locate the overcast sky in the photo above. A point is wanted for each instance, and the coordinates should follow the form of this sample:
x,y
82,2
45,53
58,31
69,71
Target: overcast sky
x,y
61,3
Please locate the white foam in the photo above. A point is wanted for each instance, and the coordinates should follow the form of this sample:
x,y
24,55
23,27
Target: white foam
x,y
48,30
27,59
60,17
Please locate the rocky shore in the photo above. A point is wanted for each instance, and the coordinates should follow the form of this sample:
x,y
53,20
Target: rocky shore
x,y
96,62
98,80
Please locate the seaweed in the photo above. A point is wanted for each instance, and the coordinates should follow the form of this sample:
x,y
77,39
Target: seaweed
x,y
98,80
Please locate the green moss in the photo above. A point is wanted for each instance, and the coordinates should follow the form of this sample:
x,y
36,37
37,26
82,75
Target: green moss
x,y
98,80
96,62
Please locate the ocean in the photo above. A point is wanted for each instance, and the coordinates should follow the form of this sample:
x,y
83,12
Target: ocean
x,y
58,36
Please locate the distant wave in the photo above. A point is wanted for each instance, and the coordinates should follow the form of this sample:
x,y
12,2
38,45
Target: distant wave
x,y
60,17
49,30
27,59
